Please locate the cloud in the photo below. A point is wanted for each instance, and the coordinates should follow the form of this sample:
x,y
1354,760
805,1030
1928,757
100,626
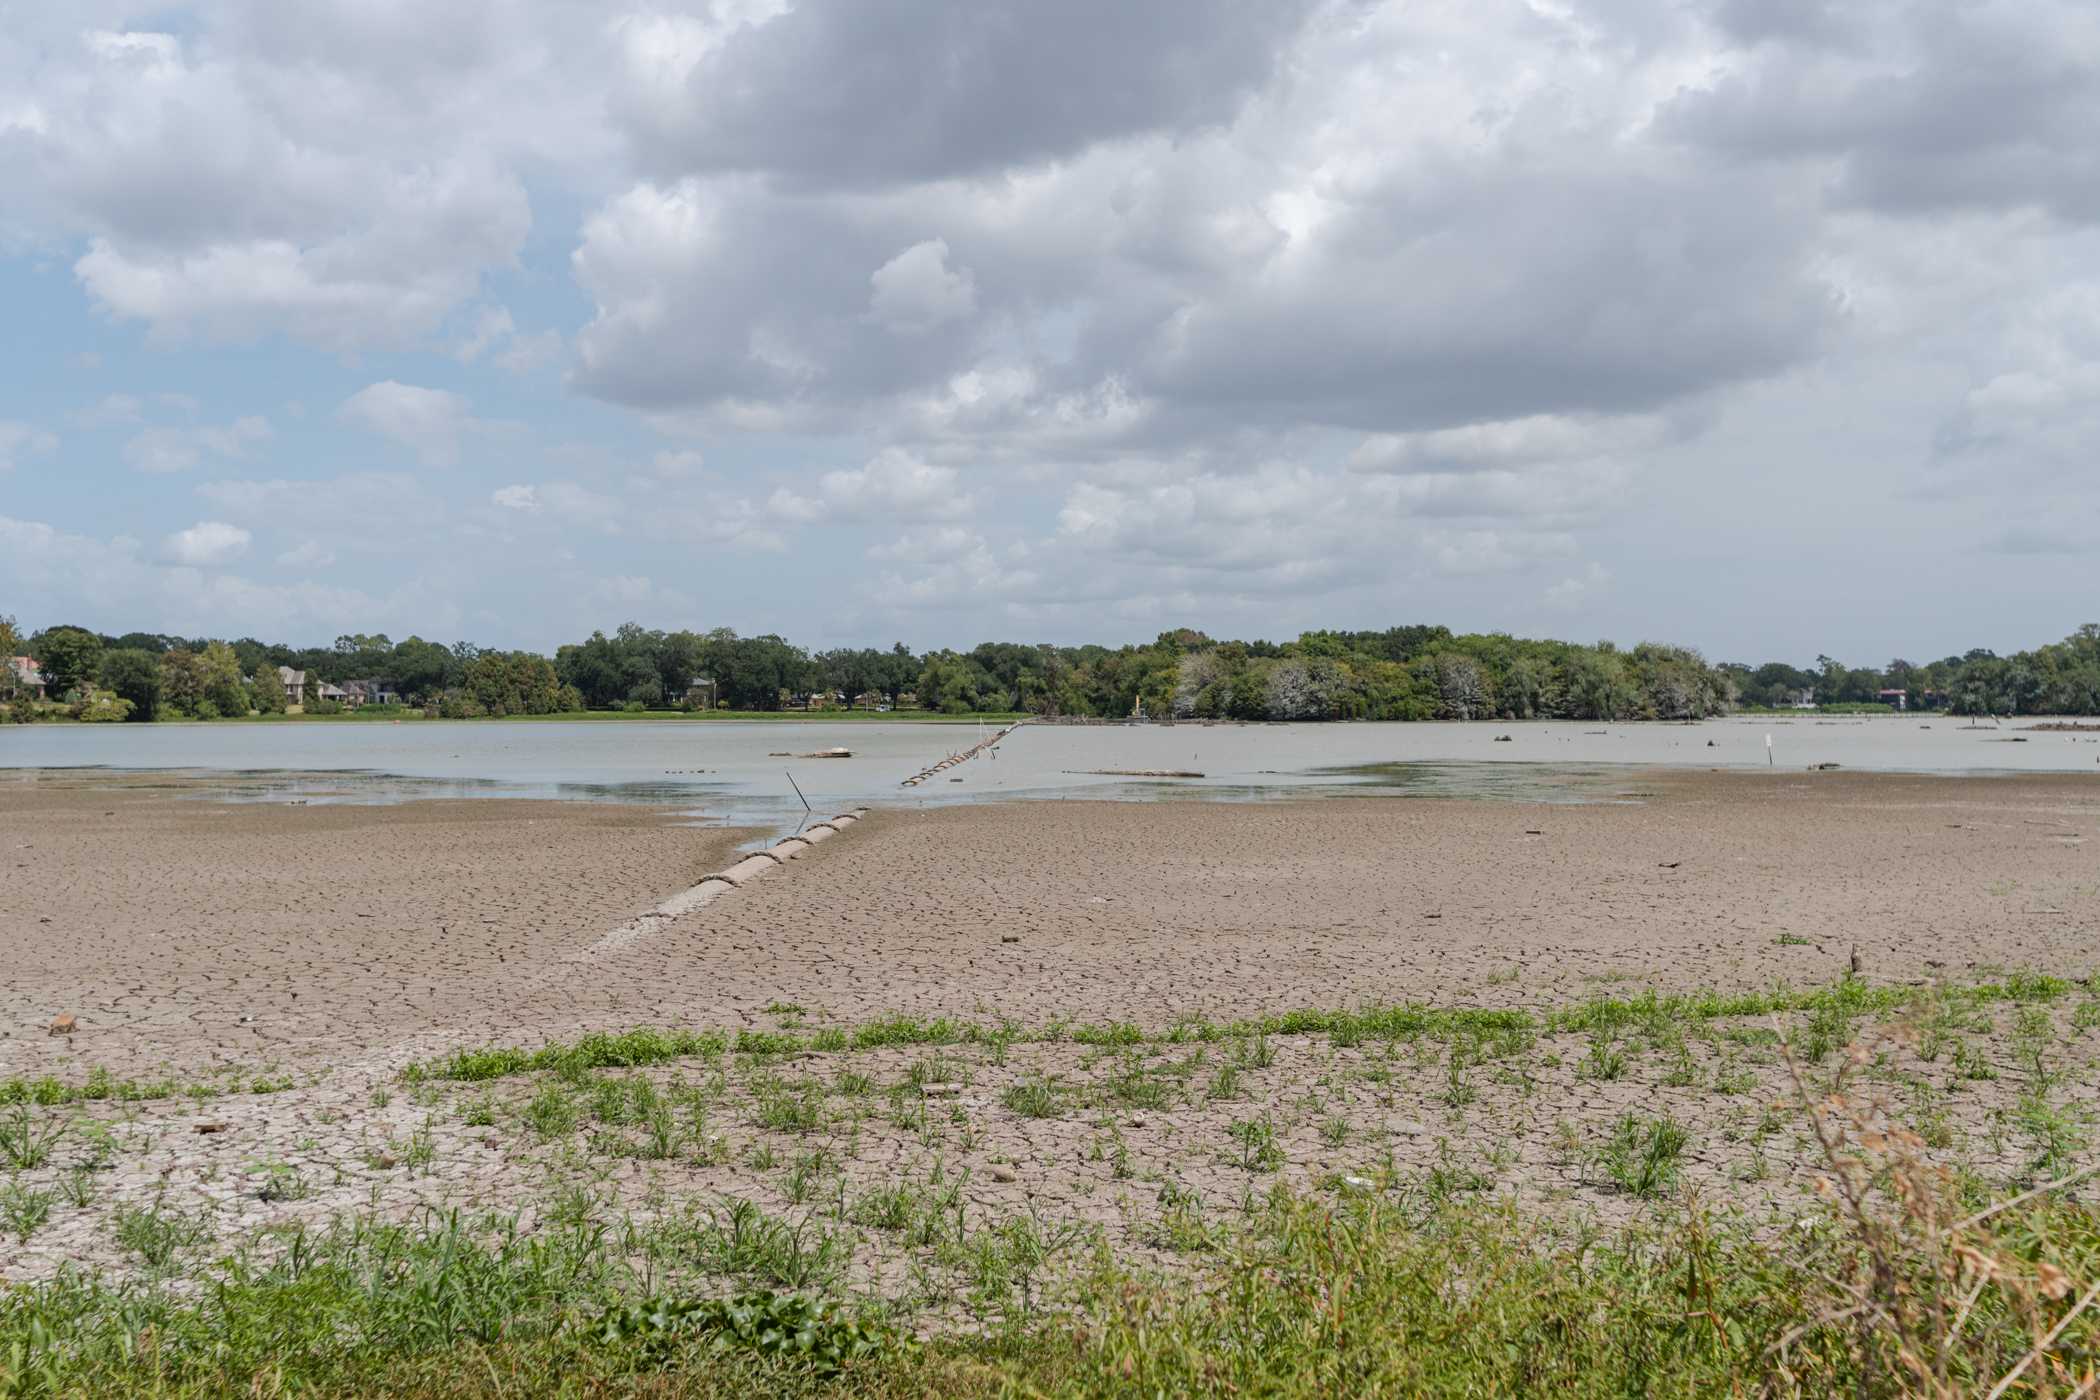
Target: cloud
x,y
565,503
208,544
369,512
308,554
836,91
346,186
892,486
1916,108
492,328
22,440
57,572
431,423
113,410
1577,591
916,290
167,449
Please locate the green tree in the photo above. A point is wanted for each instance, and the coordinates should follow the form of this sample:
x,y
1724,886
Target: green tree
x,y
133,674
266,691
69,656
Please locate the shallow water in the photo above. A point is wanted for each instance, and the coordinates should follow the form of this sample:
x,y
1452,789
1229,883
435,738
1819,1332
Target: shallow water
x,y
729,771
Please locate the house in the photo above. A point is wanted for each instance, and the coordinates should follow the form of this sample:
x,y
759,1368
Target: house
x,y
370,692
294,683
28,675
870,700
1798,700
700,693
1894,699
324,691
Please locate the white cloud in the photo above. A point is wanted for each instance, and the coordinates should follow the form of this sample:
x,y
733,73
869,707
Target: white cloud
x,y
385,512
518,498
166,449
60,572
892,486
208,544
113,410
1577,591
431,423
917,291
308,554
22,440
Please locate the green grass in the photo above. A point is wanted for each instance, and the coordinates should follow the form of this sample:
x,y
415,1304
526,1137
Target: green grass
x,y
1304,1296
1495,1031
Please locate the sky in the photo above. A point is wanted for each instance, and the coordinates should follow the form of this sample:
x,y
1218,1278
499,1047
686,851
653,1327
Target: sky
x,y
1766,326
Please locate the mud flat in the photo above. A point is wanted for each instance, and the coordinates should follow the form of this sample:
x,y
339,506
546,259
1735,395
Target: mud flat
x,y
187,933
938,1037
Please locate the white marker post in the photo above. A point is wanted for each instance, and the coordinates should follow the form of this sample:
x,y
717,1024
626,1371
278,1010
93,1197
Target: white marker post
x,y
1770,762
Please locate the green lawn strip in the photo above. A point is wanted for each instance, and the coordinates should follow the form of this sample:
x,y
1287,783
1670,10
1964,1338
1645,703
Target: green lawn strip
x,y
648,1046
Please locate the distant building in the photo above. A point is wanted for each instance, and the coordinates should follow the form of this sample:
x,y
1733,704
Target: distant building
x,y
870,700
1895,699
294,683
324,691
700,692
1798,700
28,675
370,692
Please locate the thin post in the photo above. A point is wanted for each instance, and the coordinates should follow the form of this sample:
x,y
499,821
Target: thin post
x,y
798,790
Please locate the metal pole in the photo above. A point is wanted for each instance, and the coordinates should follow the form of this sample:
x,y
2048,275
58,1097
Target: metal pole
x,y
798,790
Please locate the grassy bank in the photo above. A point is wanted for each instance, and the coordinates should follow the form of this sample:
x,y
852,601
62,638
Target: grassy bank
x,y
1850,1189
1307,1297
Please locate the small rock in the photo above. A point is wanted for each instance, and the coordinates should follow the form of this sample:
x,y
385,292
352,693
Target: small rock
x,y
942,1091
1009,938
213,1127
999,1171
1405,1127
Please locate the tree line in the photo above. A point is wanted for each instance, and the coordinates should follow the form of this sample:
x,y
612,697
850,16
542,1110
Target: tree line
x,y
1401,673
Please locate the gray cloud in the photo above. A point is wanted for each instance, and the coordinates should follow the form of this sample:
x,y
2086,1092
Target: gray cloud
x,y
839,93
1921,106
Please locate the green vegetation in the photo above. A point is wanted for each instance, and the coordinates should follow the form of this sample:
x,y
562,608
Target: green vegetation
x,y
1400,673
2061,678
1468,1298
1496,1030
1375,1260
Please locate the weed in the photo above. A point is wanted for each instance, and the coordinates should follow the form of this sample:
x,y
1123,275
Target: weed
x,y
1458,1085
1642,1155
23,1210
791,1108
1971,1063
552,1112
1134,1086
157,1235
282,1182
1258,1151
1605,1059
421,1153
26,1139
1034,1097
78,1188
